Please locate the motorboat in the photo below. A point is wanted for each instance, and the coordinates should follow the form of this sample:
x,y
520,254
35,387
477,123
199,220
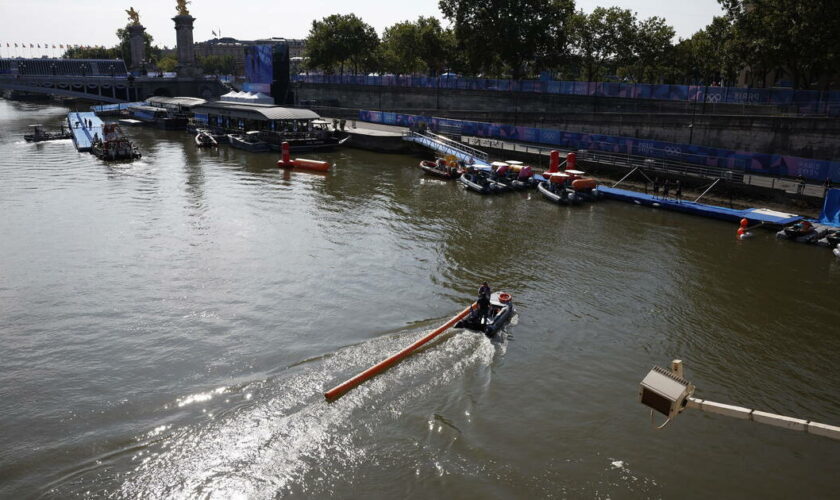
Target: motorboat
x,y
584,187
480,182
113,145
441,168
204,139
319,135
249,141
39,134
554,189
499,313
514,174
802,232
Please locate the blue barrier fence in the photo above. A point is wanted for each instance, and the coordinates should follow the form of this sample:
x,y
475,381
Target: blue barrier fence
x,y
801,101
753,163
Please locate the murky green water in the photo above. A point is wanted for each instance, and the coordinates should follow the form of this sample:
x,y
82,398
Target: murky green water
x,y
168,327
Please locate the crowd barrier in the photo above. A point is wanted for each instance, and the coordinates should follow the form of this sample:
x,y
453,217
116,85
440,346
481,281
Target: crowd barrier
x,y
800,101
753,163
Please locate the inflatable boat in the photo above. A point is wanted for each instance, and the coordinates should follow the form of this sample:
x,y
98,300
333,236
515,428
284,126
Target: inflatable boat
x,y
585,187
441,168
555,188
480,182
802,232
499,314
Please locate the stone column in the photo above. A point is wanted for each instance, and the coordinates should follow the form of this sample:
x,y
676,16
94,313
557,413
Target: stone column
x,y
184,38
137,42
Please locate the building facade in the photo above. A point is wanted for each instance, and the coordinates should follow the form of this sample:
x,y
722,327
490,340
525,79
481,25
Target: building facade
x,y
236,49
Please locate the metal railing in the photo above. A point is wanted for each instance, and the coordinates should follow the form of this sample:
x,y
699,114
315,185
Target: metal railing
x,y
450,143
660,164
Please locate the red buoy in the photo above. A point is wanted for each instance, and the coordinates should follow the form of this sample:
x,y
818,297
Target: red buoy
x,y
302,163
285,147
744,222
571,161
554,162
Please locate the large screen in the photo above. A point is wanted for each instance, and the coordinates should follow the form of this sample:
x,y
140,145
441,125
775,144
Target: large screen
x,y
259,68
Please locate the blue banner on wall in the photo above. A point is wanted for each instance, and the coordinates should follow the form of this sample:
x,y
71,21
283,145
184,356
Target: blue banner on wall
x,y
755,163
802,101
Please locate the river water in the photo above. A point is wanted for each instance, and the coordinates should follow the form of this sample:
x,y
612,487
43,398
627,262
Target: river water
x,y
168,327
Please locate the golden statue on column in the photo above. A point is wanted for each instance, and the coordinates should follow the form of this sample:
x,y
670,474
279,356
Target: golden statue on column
x,y
133,16
182,8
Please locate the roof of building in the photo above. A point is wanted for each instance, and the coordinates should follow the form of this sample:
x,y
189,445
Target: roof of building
x,y
186,102
256,111
151,109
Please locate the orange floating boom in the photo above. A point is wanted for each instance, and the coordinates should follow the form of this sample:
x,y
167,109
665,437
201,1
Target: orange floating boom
x,y
384,365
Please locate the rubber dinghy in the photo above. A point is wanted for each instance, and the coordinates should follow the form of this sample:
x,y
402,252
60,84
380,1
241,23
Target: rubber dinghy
x,y
500,313
480,182
554,189
441,168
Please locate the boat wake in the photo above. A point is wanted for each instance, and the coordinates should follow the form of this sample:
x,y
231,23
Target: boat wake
x,y
280,436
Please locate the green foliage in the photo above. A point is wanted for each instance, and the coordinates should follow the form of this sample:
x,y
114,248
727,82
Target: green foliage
x,y
92,53
167,63
340,40
603,40
120,51
214,64
519,36
652,50
706,57
796,38
416,47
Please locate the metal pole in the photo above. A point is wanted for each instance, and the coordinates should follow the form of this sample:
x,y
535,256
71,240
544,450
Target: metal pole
x,y
626,176
707,190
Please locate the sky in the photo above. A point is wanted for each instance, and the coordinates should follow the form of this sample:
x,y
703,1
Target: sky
x,y
94,22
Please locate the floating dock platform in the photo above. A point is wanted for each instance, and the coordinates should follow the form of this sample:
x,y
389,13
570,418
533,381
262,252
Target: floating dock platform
x,y
84,126
764,215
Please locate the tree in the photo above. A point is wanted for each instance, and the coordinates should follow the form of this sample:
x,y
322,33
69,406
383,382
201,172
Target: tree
x,y
652,49
124,47
603,39
413,47
120,51
786,36
400,49
520,36
91,53
167,63
706,57
339,40
215,64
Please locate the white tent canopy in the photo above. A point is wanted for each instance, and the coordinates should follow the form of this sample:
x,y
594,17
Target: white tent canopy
x,y
252,98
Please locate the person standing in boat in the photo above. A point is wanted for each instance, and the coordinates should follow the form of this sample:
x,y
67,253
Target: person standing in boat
x,y
484,300
678,191
665,188
655,187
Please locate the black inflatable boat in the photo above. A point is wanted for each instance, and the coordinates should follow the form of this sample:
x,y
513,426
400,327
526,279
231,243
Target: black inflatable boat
x,y
499,314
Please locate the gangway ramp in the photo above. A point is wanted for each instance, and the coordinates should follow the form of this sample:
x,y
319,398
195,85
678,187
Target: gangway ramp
x,y
447,146
84,126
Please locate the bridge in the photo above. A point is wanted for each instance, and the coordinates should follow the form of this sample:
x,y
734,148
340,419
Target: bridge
x,y
100,80
447,146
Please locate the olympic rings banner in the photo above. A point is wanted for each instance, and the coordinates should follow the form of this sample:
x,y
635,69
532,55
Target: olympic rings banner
x,y
754,163
800,101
